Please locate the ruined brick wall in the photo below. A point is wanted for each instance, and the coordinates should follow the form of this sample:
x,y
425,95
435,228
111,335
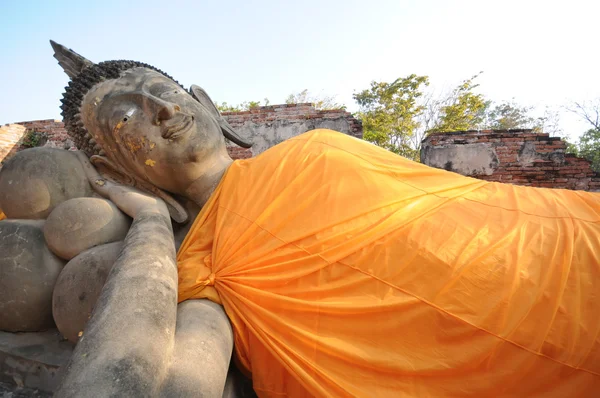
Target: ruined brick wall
x,y
267,126
10,139
55,132
12,136
264,126
519,157
237,152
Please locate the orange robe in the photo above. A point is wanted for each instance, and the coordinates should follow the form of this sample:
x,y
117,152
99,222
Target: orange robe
x,y
348,271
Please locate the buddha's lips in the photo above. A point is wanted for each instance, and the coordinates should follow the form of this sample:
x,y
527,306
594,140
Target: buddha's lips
x,y
184,125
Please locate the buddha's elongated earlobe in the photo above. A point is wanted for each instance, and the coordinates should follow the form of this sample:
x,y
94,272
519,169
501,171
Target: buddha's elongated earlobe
x,y
202,97
109,171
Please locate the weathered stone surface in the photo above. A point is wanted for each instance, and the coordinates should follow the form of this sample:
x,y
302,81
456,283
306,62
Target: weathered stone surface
x,y
79,224
28,271
36,180
9,391
79,286
167,141
203,347
10,138
519,157
468,159
30,362
267,126
124,347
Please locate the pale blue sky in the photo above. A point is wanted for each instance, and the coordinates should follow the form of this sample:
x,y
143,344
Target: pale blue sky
x,y
542,53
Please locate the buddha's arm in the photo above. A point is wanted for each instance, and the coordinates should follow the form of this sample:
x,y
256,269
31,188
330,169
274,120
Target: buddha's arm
x,y
133,345
127,344
203,346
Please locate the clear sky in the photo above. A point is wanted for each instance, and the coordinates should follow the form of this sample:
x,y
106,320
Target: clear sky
x,y
541,53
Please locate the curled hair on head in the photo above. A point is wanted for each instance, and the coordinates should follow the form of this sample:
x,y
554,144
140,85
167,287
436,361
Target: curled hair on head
x,y
79,86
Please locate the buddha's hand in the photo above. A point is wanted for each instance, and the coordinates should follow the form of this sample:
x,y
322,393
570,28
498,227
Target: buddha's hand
x,y
129,200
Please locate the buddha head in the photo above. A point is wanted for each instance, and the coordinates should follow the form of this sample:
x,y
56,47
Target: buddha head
x,y
141,127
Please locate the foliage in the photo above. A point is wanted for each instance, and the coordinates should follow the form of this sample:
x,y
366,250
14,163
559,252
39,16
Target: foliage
x,y
244,106
397,116
588,146
33,138
588,111
549,123
321,102
389,113
572,148
225,107
509,115
463,110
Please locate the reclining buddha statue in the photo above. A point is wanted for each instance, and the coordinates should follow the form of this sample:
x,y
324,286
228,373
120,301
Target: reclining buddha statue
x,y
328,266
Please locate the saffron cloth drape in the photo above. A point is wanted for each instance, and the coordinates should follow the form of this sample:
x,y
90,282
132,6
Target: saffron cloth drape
x,y
348,271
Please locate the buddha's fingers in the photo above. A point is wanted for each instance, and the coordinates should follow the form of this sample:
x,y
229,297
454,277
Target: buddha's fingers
x,y
130,200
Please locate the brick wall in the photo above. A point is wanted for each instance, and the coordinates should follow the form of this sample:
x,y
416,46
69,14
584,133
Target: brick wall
x,y
289,112
12,135
10,139
237,152
54,130
268,125
519,157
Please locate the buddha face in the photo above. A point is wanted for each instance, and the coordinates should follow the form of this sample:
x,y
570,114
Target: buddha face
x,y
153,129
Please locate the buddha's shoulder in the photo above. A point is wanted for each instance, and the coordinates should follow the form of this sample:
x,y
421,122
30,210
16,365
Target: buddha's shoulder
x,y
318,142
326,137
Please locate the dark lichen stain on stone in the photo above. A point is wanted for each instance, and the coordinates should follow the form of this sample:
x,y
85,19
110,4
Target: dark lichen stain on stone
x,y
448,165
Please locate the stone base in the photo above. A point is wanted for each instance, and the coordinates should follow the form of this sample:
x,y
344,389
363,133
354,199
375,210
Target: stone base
x,y
32,361
11,391
30,365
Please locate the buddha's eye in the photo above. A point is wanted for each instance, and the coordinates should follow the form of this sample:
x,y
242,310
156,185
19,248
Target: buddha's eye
x,y
170,93
128,115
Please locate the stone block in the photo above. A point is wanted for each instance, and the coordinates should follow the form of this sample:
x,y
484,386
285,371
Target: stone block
x,y
33,360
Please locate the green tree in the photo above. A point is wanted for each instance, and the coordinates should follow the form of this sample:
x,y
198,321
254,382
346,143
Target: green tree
x,y
510,115
549,123
463,110
588,146
397,116
389,113
321,102
225,107
244,106
588,111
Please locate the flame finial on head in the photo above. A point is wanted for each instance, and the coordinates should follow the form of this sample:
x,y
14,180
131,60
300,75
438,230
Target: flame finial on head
x,y
71,62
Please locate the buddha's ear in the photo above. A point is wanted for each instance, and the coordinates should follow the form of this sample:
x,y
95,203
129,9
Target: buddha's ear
x,y
202,97
109,171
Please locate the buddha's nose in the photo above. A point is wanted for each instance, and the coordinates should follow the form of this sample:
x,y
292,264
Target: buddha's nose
x,y
164,110
167,110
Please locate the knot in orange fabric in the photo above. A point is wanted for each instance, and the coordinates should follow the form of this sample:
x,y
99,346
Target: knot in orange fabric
x,y
196,276
211,279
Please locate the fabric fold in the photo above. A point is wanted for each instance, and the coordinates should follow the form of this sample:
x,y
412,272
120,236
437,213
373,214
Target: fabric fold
x,y
349,271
